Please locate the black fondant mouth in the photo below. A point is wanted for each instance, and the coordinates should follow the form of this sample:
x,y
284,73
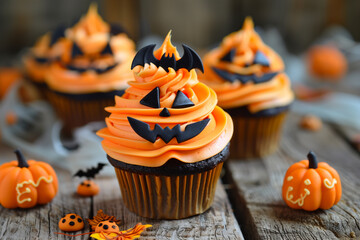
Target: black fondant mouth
x,y
84,69
166,134
232,77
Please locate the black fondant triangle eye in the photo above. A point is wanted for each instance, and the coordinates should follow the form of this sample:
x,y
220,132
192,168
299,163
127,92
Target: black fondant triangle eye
x,y
229,56
107,50
261,59
152,99
182,101
58,33
116,29
164,113
76,51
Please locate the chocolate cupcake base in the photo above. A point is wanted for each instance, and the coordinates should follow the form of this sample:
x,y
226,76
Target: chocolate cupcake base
x,y
162,194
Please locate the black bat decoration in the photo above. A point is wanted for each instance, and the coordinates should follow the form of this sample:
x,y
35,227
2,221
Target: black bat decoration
x,y
232,77
166,134
90,172
189,60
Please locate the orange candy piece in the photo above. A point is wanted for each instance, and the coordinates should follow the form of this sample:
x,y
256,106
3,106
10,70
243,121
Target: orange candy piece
x,y
71,223
88,188
326,61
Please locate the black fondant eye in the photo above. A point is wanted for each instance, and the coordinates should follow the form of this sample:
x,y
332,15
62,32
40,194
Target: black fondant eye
x,y
58,33
261,59
106,227
182,101
79,220
107,50
88,185
113,226
72,216
71,223
64,220
76,51
229,56
100,224
164,113
152,99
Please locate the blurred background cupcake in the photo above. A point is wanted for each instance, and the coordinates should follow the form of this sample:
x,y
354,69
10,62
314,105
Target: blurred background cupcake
x,y
249,80
94,68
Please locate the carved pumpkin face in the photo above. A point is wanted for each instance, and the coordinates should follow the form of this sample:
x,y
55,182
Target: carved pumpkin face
x,y
310,185
88,188
25,184
190,60
107,227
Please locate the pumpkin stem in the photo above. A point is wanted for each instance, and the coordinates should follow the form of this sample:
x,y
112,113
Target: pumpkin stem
x,y
313,163
22,161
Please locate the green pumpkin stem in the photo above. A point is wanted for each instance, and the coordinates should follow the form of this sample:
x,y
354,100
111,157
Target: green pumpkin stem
x,y
22,161
313,163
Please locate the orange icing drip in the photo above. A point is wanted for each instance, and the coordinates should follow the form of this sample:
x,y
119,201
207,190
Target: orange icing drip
x,y
92,34
122,143
257,97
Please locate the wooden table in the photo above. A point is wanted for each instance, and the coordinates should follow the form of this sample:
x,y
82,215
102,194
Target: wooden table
x,y
253,195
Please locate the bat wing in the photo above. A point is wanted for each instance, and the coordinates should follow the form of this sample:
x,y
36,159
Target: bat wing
x,y
80,173
189,60
145,55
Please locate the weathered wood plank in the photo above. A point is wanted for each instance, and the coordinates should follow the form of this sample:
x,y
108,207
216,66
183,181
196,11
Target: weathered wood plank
x,y
41,222
217,223
257,189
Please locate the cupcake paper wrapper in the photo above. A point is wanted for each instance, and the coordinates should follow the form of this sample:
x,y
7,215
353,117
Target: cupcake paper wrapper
x,y
168,197
256,136
75,113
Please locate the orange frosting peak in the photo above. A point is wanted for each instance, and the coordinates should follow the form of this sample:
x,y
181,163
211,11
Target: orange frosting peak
x,y
92,22
248,24
167,48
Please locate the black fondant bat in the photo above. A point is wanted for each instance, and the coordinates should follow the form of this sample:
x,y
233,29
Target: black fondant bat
x,y
166,134
189,60
90,172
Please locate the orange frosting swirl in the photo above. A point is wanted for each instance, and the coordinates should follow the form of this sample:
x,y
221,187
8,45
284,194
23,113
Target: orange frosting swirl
x,y
91,34
122,143
256,96
42,49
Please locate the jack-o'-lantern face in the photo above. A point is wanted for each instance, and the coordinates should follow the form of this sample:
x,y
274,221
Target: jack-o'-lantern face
x,y
107,227
88,188
310,185
189,60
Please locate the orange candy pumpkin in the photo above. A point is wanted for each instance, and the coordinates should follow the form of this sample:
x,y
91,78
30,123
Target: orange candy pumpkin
x,y
25,184
88,188
310,185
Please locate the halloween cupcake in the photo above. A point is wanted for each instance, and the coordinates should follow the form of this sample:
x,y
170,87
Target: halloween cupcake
x,y
95,68
48,48
165,137
249,81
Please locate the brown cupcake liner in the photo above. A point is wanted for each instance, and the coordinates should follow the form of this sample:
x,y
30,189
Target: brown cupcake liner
x,y
168,197
75,113
256,136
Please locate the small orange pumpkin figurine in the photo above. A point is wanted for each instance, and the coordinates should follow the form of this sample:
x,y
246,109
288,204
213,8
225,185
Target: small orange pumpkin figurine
x,y
310,185
89,188
25,184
